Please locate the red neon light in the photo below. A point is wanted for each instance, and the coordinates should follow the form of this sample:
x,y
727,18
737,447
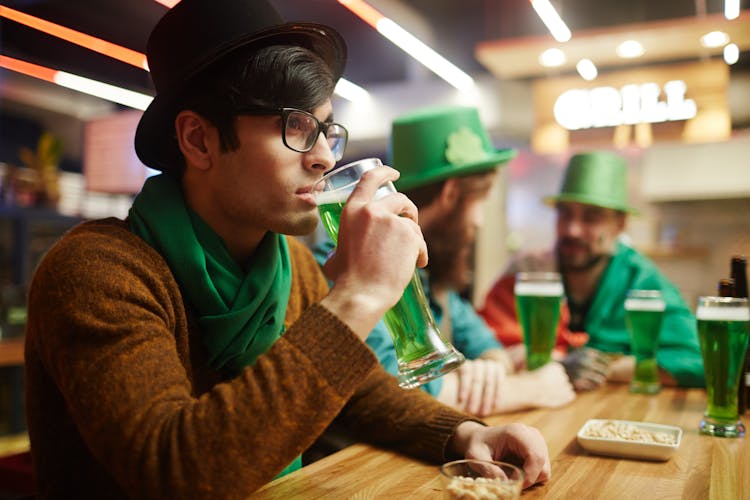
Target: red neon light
x,y
28,68
364,10
168,3
96,44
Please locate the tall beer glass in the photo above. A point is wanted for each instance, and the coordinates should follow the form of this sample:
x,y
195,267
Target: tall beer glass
x,y
723,331
644,311
421,351
538,297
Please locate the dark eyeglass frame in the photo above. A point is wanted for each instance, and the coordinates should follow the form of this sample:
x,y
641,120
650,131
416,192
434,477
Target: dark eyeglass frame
x,y
322,127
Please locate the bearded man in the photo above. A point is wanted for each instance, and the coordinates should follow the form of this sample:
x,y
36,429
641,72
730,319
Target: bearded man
x,y
448,166
598,269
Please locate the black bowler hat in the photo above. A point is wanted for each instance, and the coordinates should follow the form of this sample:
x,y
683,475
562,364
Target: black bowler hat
x,y
196,33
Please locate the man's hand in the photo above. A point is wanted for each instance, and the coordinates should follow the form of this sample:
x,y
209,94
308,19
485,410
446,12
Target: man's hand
x,y
379,245
587,368
545,387
480,380
479,385
621,369
514,443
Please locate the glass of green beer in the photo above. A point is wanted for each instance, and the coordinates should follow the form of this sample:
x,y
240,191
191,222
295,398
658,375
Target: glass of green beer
x,y
421,351
644,311
723,332
538,297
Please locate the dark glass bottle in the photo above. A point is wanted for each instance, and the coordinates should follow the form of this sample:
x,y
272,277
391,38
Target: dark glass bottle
x,y
726,287
738,272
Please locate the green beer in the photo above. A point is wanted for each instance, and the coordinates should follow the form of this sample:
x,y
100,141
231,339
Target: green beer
x,y
421,351
644,311
330,213
538,308
723,332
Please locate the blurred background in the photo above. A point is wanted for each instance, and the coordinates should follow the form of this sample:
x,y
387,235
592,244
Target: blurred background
x,y
663,83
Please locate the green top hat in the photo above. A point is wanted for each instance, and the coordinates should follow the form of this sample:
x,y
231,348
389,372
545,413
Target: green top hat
x,y
435,143
596,178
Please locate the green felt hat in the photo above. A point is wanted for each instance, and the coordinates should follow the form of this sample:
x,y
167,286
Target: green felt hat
x,y
436,143
595,178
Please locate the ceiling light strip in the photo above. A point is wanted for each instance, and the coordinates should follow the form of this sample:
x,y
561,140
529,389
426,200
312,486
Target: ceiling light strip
x,y
731,9
364,11
351,91
28,68
410,44
78,83
551,20
96,44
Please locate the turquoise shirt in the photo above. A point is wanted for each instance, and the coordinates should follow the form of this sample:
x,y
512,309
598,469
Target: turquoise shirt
x,y
470,334
679,352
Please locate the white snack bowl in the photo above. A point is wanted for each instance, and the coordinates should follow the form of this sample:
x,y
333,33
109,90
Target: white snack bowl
x,y
619,447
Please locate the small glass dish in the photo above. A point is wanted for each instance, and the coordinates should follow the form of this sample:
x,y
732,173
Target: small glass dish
x,y
481,479
630,439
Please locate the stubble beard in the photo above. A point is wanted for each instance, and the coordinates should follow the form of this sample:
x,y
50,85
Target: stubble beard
x,y
300,225
577,265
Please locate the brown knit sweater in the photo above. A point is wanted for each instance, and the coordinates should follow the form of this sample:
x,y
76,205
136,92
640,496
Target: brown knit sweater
x,y
120,402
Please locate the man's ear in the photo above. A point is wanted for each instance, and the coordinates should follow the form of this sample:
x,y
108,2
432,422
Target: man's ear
x,y
621,221
194,137
449,195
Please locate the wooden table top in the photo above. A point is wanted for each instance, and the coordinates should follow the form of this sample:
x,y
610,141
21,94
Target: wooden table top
x,y
703,466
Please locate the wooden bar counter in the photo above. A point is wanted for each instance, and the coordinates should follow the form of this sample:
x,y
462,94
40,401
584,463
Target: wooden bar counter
x,y
703,466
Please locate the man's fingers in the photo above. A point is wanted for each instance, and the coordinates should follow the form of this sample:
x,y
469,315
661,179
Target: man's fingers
x,y
367,191
399,204
478,387
464,382
491,382
369,183
423,256
536,466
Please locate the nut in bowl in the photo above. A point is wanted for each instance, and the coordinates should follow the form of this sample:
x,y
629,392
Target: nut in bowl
x,y
481,480
630,439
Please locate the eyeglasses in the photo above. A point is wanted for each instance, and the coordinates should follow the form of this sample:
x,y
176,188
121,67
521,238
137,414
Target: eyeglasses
x,y
300,130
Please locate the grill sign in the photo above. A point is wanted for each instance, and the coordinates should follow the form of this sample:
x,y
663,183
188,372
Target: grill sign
x,y
577,109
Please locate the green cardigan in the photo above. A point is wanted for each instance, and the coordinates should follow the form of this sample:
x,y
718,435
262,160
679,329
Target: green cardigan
x,y
120,402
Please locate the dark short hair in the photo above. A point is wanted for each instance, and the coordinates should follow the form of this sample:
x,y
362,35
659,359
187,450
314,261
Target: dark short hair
x,y
274,76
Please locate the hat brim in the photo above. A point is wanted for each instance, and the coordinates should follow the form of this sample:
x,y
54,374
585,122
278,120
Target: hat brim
x,y
157,122
494,160
589,200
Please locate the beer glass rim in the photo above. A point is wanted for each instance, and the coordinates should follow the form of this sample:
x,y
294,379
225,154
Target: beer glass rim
x,y
517,472
643,293
715,301
366,163
538,276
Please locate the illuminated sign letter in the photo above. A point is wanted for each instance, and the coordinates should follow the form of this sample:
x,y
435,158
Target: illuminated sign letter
x,y
608,107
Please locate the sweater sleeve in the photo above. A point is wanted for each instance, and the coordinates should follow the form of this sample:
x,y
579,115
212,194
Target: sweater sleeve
x,y
382,413
409,421
102,322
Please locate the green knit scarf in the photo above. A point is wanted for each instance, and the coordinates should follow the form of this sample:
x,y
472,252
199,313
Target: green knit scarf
x,y
241,312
